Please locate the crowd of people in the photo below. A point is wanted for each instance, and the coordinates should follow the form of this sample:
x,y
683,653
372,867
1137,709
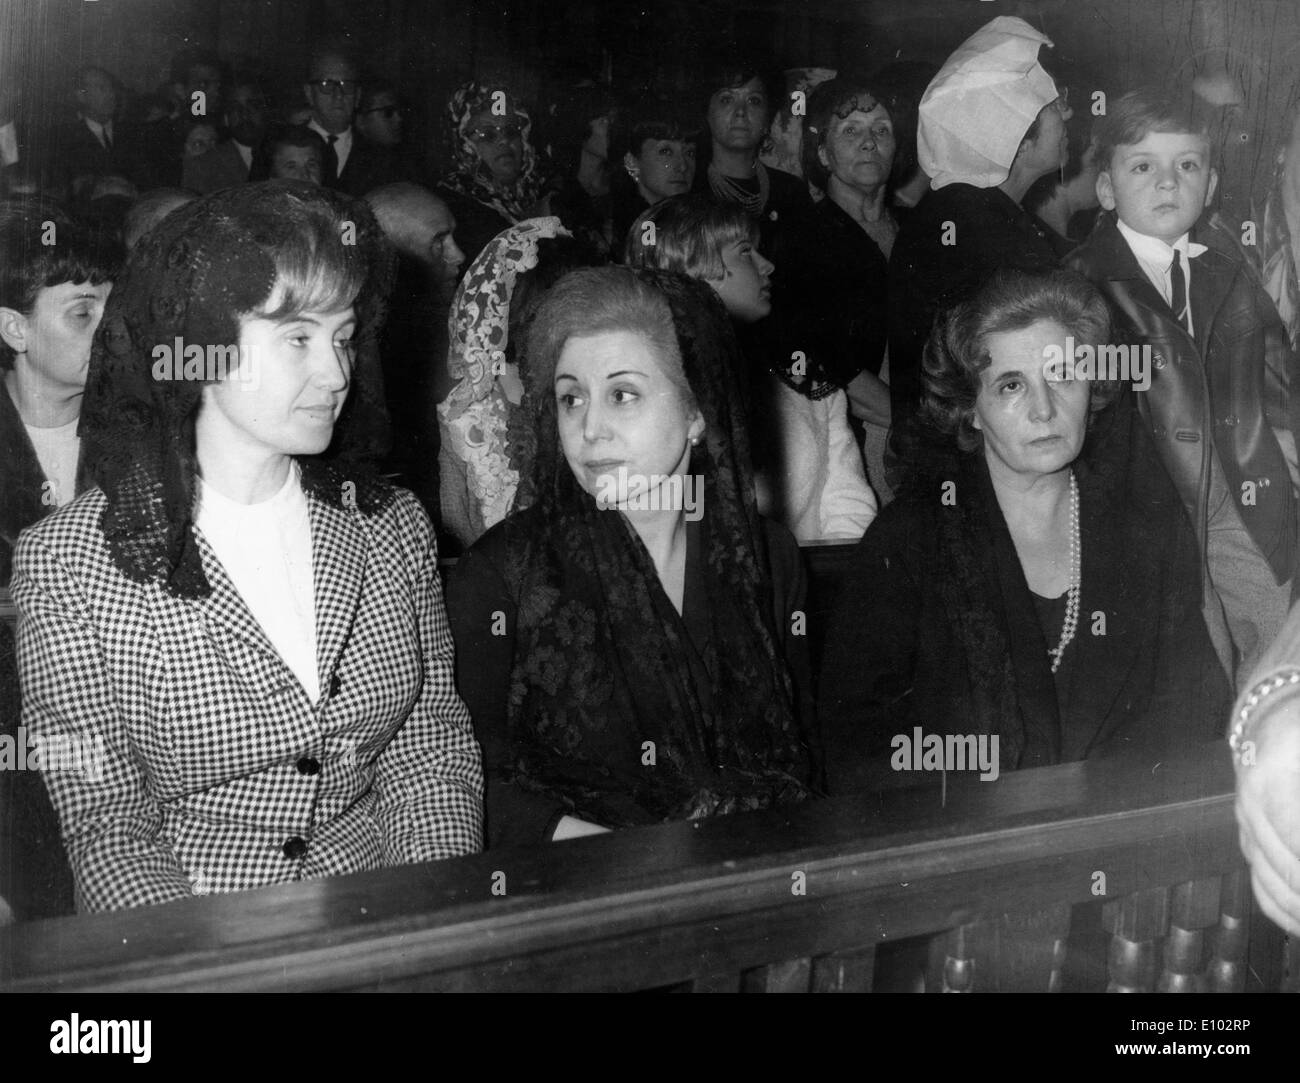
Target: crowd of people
x,y
266,363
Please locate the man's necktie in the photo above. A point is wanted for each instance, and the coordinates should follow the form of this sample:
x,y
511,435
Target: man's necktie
x,y
1178,291
331,162
108,140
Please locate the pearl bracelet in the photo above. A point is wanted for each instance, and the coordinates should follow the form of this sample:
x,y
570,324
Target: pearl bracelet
x,y
1287,678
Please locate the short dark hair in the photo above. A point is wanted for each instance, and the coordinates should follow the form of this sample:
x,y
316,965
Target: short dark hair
x,y
372,89
1132,117
283,135
838,98
193,57
956,352
690,232
654,118
735,70
79,80
28,264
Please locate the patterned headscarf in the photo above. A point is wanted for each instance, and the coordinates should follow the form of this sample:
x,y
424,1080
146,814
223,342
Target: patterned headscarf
x,y
475,418
189,281
469,177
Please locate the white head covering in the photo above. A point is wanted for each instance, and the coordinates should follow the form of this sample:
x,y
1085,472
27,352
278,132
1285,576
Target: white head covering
x,y
977,109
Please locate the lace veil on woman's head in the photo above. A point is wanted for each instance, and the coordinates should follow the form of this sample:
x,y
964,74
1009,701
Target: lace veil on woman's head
x,y
188,284
589,580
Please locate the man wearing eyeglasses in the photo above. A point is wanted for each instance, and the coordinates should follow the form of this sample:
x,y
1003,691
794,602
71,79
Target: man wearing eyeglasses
x,y
331,90
352,164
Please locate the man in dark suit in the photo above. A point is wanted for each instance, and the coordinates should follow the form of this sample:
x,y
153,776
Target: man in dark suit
x,y
352,163
228,164
93,145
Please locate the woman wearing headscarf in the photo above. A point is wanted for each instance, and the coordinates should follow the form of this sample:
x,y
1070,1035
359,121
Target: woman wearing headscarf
x,y
240,636
626,644
991,123
496,181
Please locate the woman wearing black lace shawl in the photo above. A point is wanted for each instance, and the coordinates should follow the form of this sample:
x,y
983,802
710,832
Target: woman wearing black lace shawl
x,y
242,639
611,687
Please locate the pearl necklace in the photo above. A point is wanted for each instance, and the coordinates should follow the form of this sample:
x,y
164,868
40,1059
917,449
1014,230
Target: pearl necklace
x,y
1071,622
728,191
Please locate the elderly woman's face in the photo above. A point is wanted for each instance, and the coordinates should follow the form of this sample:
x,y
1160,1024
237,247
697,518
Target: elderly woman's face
x,y
292,382
1033,419
620,416
859,148
499,142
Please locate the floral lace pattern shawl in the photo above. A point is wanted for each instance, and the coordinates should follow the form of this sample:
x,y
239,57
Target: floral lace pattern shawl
x,y
476,418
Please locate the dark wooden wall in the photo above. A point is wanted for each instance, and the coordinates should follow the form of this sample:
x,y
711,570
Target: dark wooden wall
x,y
432,45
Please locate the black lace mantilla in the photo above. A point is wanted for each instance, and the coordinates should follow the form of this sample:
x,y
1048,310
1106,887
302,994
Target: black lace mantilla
x,y
191,278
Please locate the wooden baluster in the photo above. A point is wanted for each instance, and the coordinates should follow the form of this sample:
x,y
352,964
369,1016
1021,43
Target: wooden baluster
x,y
1194,907
1226,972
845,971
959,961
1135,924
1291,966
1031,950
788,976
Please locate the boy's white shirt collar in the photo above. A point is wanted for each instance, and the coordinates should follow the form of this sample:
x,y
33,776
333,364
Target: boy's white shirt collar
x,y
1155,250
1155,256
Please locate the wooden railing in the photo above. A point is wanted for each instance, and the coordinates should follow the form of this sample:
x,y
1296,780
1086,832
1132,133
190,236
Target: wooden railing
x,y
1144,856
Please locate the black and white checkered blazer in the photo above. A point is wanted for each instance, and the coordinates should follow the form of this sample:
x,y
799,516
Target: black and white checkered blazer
x,y
190,759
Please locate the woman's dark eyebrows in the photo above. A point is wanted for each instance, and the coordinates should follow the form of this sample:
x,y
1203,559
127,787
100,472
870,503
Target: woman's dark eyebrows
x,y
612,376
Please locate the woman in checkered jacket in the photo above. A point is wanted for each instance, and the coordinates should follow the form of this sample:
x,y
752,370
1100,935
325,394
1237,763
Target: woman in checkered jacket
x,y
234,653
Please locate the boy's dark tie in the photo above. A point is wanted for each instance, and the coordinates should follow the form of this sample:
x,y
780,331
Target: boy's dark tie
x,y
331,169
1178,292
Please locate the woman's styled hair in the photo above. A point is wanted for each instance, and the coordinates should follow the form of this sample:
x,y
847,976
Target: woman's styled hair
x,y
594,301
42,246
957,350
688,236
838,98
733,70
652,118
268,250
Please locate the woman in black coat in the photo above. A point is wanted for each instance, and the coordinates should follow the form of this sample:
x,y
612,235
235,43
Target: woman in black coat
x,y
1023,588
